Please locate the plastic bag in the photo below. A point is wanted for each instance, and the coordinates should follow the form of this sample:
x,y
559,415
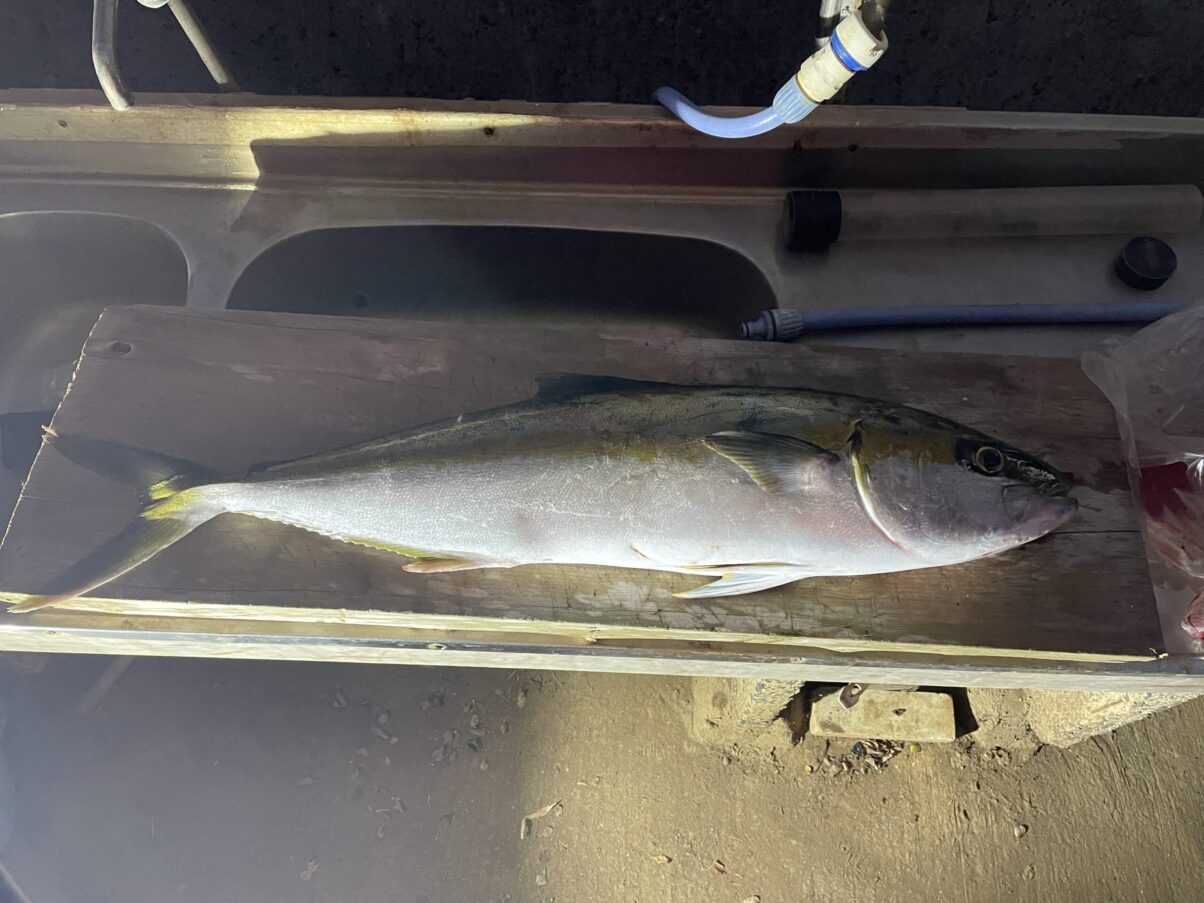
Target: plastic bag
x,y
1155,381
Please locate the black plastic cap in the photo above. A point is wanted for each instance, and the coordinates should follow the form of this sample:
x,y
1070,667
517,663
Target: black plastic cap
x,y
811,220
1146,263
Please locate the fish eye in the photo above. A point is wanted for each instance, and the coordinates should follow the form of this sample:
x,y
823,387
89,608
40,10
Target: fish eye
x,y
989,460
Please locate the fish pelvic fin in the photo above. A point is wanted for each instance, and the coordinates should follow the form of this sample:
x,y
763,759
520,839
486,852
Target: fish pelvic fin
x,y
750,579
778,464
173,505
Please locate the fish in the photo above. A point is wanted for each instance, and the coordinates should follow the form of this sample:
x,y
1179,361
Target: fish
x,y
754,487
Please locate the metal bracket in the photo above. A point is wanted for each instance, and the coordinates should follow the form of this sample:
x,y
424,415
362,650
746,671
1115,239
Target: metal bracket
x,y
104,48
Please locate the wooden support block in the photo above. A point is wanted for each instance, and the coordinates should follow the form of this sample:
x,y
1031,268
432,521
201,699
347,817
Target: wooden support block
x,y
1066,717
918,715
727,710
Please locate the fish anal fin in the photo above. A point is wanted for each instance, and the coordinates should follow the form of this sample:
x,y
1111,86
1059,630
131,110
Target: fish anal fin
x,y
752,579
778,464
407,551
443,565
425,560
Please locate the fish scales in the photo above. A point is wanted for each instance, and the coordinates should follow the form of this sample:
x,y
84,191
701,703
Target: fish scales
x,y
758,487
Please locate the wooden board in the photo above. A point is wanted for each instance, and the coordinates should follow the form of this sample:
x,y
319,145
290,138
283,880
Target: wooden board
x,y
229,389
240,138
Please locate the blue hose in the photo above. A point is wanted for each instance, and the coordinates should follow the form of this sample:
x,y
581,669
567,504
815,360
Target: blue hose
x,y
990,315
717,126
783,325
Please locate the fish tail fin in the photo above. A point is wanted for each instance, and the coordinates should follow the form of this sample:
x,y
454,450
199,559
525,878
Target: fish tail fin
x,y
153,474
172,507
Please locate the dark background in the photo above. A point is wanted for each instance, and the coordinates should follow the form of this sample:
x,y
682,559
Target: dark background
x,y
1119,57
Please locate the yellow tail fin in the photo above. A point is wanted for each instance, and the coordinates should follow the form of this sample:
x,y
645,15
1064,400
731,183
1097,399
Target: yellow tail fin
x,y
168,513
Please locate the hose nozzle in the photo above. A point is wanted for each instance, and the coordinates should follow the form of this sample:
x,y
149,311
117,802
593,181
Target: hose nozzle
x,y
775,325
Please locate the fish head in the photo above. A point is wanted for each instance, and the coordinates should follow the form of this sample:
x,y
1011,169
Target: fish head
x,y
946,493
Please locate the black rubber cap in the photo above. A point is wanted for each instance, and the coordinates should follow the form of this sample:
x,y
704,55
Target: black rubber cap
x,y
811,220
1146,263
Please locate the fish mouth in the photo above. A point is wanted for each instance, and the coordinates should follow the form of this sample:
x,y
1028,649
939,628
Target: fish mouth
x,y
1043,478
1059,487
1040,508
1054,483
1065,509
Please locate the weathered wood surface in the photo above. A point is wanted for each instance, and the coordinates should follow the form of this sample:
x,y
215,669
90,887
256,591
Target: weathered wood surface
x,y
58,630
237,138
232,389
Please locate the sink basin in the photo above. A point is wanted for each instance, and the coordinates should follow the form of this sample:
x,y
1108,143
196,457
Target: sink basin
x,y
475,274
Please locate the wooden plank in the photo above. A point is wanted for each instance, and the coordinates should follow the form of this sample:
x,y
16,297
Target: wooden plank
x,y
230,389
240,118
60,630
228,139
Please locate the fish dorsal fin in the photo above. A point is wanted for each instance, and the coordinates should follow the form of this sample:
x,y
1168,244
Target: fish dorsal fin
x,y
553,386
779,464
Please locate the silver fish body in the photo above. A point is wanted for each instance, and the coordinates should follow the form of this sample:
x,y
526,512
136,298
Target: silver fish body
x,y
759,487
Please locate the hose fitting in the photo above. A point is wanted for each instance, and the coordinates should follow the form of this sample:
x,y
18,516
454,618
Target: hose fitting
x,y
853,48
774,325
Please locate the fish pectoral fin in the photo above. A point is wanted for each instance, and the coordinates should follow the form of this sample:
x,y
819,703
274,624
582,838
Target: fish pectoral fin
x,y
778,464
441,565
752,579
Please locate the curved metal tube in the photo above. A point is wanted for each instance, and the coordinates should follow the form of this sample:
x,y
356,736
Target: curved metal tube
x,y
104,48
104,53
201,44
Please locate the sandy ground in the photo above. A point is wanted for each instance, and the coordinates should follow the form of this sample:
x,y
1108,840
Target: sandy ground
x,y
234,781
